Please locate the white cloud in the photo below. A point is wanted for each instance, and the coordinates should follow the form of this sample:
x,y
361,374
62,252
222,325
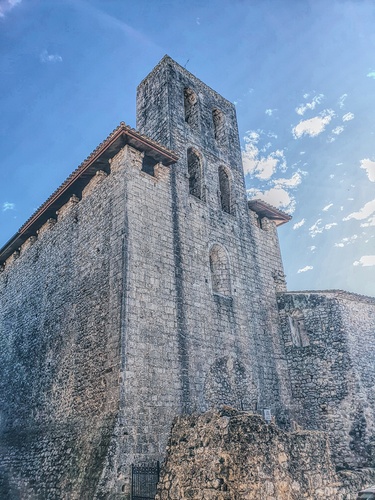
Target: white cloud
x,y
270,112
293,182
318,228
7,5
49,58
369,166
365,261
366,211
342,100
261,167
338,130
312,248
276,197
8,206
327,207
252,136
369,223
304,269
346,241
347,117
300,110
313,126
299,224
371,74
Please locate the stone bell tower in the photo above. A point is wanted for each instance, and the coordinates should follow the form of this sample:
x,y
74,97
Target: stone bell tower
x,y
225,264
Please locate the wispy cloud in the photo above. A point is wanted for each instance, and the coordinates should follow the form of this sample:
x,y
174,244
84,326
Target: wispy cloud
x,y
292,182
299,224
318,228
304,269
338,130
365,261
7,5
8,206
113,22
313,126
369,166
346,241
327,207
45,57
347,117
302,108
369,223
270,112
366,211
342,99
371,74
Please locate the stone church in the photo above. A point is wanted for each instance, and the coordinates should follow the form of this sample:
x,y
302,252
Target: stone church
x,y
148,286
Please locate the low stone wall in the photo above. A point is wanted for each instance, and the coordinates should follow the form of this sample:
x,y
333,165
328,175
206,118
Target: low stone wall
x,y
230,455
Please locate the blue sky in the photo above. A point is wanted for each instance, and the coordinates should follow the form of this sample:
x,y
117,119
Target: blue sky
x,y
302,76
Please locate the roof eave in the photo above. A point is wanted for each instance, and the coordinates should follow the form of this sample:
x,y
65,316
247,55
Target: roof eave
x,y
74,184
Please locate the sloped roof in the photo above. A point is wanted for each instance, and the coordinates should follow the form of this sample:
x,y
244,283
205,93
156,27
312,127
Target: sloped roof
x,y
75,183
264,209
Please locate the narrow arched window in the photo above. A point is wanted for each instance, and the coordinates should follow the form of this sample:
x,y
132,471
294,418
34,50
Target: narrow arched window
x,y
191,108
219,126
220,272
225,190
195,173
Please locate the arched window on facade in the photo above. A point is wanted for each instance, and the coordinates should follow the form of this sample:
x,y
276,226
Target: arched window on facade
x,y
195,174
191,107
225,190
219,126
220,272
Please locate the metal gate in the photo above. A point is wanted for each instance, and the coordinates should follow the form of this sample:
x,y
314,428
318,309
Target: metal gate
x,y
145,478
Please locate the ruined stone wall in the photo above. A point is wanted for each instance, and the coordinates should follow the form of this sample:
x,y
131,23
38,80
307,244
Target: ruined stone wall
x,y
231,455
329,343
59,349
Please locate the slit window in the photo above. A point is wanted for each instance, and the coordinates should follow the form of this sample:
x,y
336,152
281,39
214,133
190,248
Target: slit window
x,y
191,108
219,126
195,174
224,190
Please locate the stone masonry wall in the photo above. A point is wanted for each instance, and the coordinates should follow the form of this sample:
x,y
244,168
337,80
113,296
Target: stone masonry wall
x,y
231,455
229,342
59,350
329,342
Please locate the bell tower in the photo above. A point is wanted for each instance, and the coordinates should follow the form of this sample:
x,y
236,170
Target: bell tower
x,y
178,110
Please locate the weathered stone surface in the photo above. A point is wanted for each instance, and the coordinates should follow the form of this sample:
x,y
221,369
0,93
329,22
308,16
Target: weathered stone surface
x,y
329,340
154,290
231,455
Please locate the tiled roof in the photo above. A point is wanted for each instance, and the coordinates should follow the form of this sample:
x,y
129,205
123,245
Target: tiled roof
x,y
77,180
264,209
